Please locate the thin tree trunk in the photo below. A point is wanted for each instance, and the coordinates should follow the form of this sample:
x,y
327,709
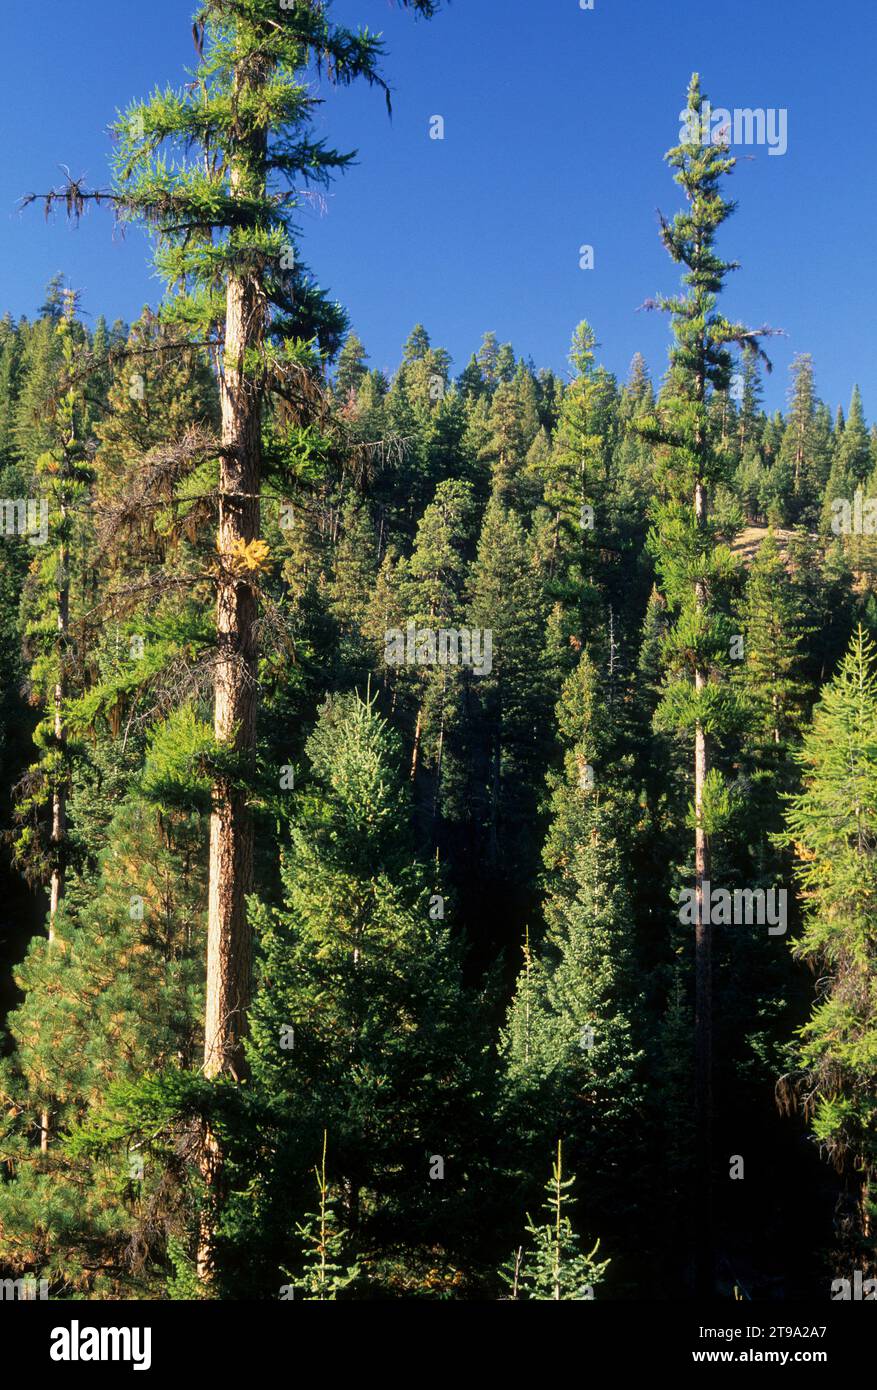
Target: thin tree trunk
x,y
703,1006
59,799
439,756
496,790
415,752
703,989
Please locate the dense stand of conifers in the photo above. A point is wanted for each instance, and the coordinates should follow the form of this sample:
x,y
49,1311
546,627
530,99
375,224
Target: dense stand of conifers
x,y
351,963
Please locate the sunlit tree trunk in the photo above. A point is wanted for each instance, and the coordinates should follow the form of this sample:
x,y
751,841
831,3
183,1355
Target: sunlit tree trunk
x,y
229,943
59,799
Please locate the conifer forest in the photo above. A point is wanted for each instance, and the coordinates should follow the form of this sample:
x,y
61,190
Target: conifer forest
x,y
438,799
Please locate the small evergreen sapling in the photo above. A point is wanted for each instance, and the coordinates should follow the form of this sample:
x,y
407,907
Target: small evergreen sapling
x,y
324,1277
552,1266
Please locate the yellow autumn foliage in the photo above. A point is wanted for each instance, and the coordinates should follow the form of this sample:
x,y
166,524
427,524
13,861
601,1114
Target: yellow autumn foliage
x,y
251,557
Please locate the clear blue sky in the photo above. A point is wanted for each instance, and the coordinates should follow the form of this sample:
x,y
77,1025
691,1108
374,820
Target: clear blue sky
x,y
556,120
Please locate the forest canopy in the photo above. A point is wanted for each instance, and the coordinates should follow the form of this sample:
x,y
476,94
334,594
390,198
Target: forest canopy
x,y
440,806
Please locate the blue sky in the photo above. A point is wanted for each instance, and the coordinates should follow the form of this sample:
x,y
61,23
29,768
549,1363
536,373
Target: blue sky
x,y
556,120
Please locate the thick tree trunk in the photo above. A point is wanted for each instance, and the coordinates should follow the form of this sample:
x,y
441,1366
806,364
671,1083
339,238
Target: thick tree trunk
x,y
229,946
229,937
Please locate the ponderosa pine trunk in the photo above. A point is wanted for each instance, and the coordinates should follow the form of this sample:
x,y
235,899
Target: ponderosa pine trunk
x,y
229,937
229,948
